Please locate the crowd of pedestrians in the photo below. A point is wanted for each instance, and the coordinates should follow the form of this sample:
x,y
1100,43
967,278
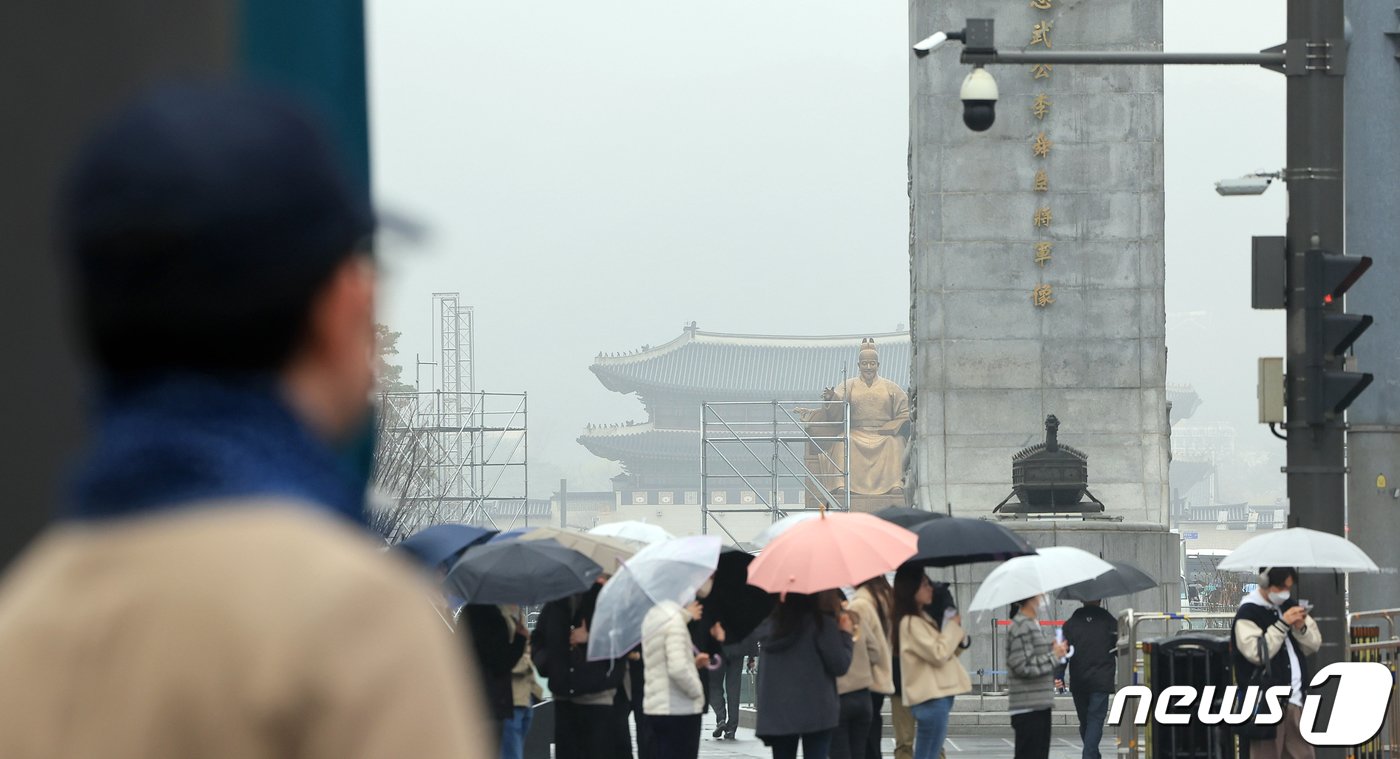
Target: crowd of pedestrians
x,y
214,561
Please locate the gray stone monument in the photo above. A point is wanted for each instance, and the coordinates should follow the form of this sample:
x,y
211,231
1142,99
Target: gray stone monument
x,y
1037,258
1037,268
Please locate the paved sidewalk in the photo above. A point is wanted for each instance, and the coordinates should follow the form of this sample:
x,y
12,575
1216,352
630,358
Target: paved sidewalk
x,y
964,747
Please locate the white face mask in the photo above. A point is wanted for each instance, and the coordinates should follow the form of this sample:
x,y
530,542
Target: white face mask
x,y
1278,598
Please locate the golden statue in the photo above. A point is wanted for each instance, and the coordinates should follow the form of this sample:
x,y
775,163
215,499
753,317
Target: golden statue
x,y
879,426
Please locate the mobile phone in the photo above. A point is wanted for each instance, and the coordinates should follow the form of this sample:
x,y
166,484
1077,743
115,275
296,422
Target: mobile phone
x,y
1305,603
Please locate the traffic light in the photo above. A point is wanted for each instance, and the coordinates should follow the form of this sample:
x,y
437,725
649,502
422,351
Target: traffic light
x,y
1330,332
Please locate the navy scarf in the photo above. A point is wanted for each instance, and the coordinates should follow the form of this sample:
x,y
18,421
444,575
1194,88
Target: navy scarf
x,y
177,440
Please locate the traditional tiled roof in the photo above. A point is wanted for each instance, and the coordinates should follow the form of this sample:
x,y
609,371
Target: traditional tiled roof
x,y
722,366
629,442
1184,399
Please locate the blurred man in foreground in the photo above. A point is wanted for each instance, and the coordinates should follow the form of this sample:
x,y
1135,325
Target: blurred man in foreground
x,y
211,593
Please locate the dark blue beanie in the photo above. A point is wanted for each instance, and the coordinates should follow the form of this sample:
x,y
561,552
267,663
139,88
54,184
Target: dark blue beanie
x,y
200,223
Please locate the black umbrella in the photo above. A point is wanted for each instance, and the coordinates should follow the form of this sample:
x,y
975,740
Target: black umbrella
x,y
959,540
906,517
738,606
1123,580
521,572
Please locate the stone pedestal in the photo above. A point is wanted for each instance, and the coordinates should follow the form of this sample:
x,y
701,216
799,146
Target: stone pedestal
x,y
870,504
1148,546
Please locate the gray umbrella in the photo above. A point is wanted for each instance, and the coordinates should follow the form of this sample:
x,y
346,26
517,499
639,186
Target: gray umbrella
x,y
521,572
1123,580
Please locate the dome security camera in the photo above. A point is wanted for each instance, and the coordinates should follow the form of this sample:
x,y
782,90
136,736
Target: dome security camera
x,y
979,97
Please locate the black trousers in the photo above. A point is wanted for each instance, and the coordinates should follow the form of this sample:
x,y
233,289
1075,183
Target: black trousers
x,y
1032,734
675,737
586,732
724,693
852,734
877,726
814,745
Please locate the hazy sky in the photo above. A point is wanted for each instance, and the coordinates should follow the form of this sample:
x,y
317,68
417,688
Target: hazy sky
x,y
595,175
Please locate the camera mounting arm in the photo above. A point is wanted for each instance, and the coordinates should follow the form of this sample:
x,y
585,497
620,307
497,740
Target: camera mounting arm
x,y
979,49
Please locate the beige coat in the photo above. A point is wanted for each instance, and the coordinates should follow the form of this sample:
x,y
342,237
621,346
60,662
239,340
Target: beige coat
x,y
871,666
228,632
525,689
928,660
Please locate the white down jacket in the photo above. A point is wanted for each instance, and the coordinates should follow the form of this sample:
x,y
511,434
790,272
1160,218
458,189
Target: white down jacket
x,y
673,686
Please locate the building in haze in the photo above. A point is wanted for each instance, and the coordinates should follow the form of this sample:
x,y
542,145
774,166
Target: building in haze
x,y
660,456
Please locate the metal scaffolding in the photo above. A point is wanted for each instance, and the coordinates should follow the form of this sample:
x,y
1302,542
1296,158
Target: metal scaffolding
x,y
451,454
451,458
759,450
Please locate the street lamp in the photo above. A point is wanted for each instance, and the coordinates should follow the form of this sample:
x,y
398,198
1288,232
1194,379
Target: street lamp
x,y
1250,184
1316,274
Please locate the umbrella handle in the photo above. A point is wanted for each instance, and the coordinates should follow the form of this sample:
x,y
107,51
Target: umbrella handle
x,y
716,661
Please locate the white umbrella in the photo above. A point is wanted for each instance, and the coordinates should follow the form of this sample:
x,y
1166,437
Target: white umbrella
x,y
1300,548
783,525
631,529
1025,576
670,571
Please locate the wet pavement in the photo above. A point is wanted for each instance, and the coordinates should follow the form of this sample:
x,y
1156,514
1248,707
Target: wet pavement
x,y
958,747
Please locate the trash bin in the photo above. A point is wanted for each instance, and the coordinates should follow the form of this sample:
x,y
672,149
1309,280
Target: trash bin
x,y
1198,661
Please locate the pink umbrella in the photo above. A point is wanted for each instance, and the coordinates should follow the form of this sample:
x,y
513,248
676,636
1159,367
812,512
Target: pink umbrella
x,y
839,548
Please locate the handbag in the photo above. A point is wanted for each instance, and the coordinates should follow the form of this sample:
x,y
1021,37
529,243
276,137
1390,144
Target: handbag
x,y
1250,729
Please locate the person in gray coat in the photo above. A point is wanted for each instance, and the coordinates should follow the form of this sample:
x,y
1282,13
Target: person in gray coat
x,y
807,644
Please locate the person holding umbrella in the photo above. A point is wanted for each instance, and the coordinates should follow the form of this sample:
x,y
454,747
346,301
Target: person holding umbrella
x,y
496,644
928,650
1273,632
674,694
1030,663
1092,633
874,602
807,648
525,691
585,692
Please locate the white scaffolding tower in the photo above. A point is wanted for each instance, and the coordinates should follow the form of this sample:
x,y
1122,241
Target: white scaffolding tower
x,y
450,453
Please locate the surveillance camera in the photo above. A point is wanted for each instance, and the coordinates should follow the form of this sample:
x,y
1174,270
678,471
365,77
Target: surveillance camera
x,y
1243,186
979,97
930,43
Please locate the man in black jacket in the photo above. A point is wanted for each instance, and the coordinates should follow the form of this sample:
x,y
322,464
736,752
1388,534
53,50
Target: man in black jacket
x,y
496,651
1271,618
586,724
1093,632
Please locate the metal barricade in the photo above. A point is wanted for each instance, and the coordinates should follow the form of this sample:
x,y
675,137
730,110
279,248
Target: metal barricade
x,y
1367,642
1373,636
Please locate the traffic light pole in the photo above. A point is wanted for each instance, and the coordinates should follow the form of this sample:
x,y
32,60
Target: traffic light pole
x,y
1316,459
1314,61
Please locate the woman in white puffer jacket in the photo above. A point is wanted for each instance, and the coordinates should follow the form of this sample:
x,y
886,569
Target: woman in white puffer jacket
x,y
673,694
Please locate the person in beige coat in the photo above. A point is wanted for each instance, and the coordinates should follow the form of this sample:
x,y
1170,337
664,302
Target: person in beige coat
x,y
525,691
870,672
928,658
210,590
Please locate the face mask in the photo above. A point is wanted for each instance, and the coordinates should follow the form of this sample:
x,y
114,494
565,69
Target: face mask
x,y
1278,598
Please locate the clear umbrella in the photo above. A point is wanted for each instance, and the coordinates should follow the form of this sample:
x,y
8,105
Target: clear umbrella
x,y
670,571
1025,576
1300,548
783,525
631,529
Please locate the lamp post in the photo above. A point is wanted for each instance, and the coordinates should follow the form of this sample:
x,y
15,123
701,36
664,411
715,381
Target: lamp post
x,y
1318,390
